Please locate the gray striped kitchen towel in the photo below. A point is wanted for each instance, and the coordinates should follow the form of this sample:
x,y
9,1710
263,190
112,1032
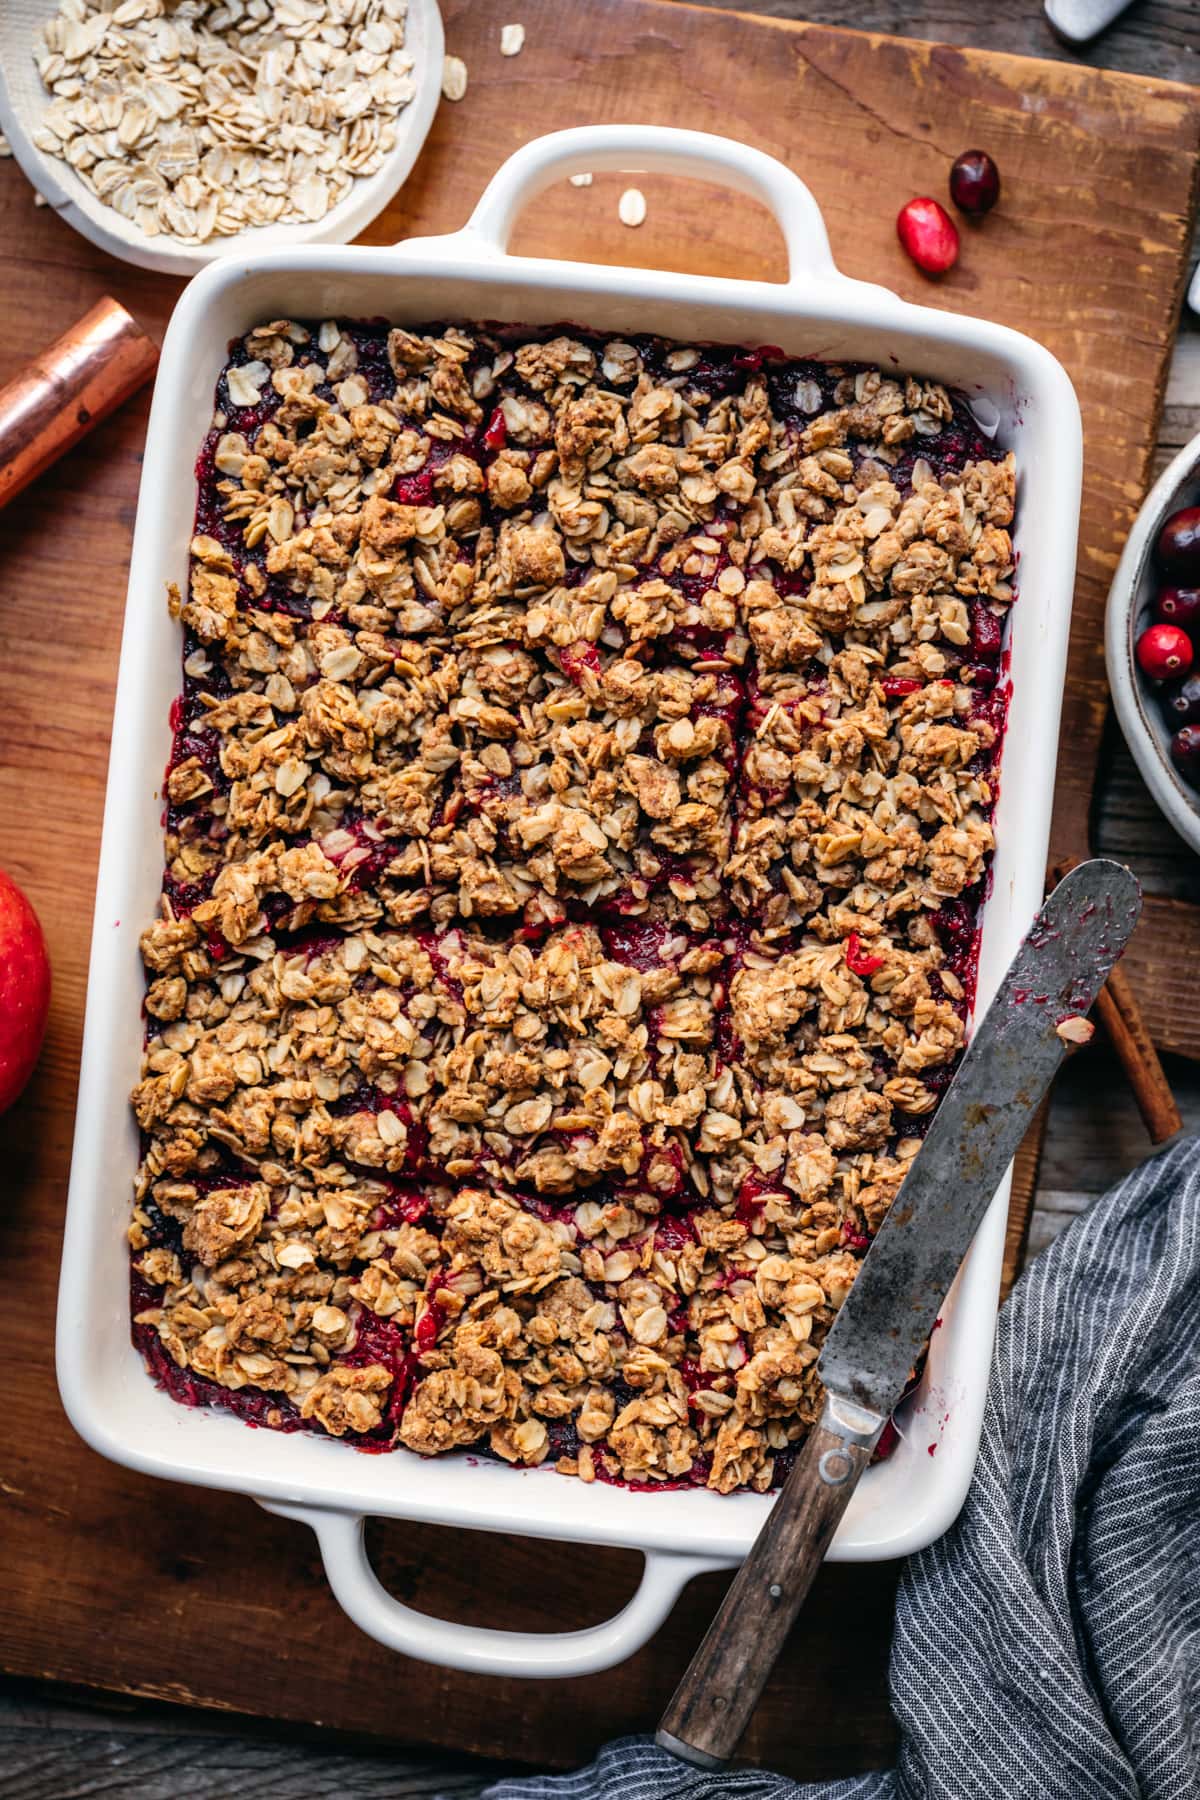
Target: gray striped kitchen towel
x,y
1048,1647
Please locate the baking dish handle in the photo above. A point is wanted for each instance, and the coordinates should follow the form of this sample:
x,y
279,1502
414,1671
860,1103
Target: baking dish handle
x,y
544,1655
662,150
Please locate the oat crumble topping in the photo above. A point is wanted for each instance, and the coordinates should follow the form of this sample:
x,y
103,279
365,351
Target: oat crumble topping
x,y
577,816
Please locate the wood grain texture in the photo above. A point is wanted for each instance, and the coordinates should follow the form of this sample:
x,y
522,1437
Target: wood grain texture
x,y
1023,1198
113,1581
1163,963
1119,1012
1154,37
1096,1134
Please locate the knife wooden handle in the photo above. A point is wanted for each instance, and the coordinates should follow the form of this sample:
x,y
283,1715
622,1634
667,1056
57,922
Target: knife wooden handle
x,y
712,1705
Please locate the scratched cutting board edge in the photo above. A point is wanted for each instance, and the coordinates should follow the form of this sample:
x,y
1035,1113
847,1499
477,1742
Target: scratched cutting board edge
x,y
114,1581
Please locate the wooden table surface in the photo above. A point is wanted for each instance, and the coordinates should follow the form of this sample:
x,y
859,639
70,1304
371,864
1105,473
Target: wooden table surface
x,y
60,1746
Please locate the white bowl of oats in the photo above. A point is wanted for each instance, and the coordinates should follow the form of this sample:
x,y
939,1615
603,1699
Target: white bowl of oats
x,y
173,134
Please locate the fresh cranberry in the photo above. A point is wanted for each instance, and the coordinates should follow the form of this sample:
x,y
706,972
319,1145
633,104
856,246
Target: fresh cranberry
x,y
1182,704
1164,651
1185,753
1179,606
1179,544
928,233
974,182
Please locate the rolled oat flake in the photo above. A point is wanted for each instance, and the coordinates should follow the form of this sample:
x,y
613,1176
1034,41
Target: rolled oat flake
x,y
631,208
454,78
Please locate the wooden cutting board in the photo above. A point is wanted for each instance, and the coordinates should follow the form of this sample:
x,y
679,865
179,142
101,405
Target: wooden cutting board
x,y
118,1582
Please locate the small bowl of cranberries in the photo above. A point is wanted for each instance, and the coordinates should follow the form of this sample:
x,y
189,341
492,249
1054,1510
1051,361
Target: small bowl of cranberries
x,y
1152,642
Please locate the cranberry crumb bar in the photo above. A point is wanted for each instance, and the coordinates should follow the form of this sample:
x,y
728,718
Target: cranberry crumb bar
x,y
576,824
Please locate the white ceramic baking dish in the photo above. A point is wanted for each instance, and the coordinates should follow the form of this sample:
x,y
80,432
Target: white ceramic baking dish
x,y
903,1503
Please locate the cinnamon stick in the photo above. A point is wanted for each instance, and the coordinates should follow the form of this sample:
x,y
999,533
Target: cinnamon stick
x,y
1122,1019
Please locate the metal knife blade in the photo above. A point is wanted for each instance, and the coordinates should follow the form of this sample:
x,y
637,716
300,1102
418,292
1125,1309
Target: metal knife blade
x,y
1059,969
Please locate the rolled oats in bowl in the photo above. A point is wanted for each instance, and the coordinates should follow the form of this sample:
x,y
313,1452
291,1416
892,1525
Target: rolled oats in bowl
x,y
200,118
577,820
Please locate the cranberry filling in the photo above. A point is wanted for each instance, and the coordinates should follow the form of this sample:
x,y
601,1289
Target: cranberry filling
x,y
417,489
751,1199
672,1231
405,1205
380,1341
578,657
860,961
495,434
254,1406
643,943
635,929
987,631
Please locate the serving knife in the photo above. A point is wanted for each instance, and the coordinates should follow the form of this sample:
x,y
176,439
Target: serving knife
x,y
885,1320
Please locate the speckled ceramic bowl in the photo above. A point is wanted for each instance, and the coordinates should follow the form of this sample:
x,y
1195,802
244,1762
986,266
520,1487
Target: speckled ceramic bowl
x,y
1129,601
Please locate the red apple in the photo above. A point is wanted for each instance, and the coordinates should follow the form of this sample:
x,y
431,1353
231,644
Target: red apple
x,y
24,990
